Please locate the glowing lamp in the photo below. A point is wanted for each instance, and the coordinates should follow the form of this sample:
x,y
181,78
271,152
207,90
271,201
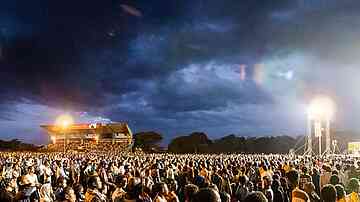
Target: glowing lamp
x,y
321,108
64,121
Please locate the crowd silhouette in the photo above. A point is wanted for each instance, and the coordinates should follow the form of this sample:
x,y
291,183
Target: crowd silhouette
x,y
105,175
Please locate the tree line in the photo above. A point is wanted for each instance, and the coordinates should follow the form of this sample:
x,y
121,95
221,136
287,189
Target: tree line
x,y
199,142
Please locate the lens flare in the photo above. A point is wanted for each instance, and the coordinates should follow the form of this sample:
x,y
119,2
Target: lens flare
x,y
321,107
64,121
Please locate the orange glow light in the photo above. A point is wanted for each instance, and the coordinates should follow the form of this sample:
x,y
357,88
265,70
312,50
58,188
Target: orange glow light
x,y
64,121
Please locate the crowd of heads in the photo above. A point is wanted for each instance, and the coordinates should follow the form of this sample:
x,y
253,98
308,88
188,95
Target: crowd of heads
x,y
139,177
88,147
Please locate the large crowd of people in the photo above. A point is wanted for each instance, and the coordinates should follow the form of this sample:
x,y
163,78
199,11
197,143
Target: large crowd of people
x,y
88,147
139,177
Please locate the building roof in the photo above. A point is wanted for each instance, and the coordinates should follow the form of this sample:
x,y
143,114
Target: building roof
x,y
89,128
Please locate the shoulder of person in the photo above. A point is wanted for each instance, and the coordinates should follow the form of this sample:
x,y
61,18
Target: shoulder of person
x,y
298,193
349,196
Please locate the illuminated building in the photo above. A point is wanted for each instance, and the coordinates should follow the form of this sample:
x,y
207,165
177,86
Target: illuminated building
x,y
89,134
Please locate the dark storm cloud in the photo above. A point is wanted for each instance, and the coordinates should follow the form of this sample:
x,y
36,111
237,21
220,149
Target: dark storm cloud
x,y
47,64
72,53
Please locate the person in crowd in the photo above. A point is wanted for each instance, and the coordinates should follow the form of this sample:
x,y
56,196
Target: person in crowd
x,y
162,192
328,193
7,192
26,192
325,176
79,193
60,188
309,188
243,188
219,182
93,193
334,180
341,173
189,192
142,196
119,192
285,187
278,191
45,172
69,195
267,188
256,196
132,189
297,195
304,177
46,190
208,195
173,187
340,192
316,179
353,188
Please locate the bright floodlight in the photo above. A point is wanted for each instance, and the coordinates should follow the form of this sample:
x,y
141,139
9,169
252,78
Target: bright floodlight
x,y
64,121
321,107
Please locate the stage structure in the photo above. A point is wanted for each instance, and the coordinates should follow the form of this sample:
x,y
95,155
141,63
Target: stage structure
x,y
354,148
320,113
90,134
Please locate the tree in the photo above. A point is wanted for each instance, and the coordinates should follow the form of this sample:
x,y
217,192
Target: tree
x,y
199,143
196,142
147,141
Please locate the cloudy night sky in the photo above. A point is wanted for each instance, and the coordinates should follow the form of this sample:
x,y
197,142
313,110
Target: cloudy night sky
x,y
246,67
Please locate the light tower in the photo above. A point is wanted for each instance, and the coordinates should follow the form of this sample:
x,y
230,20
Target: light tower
x,y
320,111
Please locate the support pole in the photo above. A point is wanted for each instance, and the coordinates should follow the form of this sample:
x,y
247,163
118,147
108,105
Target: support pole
x,y
328,138
320,145
309,140
318,133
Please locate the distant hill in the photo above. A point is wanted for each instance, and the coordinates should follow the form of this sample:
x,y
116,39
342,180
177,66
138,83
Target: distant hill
x,y
16,145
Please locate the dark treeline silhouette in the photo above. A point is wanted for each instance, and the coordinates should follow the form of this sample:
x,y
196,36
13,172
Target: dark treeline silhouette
x,y
196,142
200,143
16,145
148,141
